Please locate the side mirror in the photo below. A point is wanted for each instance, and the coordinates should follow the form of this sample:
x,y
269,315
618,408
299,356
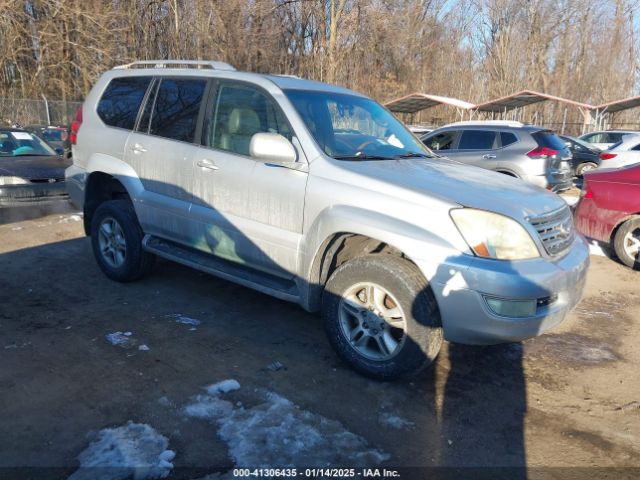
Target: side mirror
x,y
59,151
272,147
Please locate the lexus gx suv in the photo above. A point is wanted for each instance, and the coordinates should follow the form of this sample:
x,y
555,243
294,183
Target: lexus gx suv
x,y
316,194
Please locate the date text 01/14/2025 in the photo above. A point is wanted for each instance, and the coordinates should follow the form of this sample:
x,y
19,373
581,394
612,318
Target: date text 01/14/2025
x,y
316,473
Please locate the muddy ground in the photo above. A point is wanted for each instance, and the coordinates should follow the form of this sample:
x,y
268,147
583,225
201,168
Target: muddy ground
x,y
570,398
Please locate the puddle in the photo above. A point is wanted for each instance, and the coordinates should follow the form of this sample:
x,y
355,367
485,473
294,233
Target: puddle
x,y
571,348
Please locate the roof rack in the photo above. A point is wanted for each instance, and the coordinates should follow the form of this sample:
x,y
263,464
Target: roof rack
x,y
212,64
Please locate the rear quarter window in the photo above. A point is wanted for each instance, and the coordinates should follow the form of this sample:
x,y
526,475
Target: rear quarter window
x,y
548,139
121,101
507,138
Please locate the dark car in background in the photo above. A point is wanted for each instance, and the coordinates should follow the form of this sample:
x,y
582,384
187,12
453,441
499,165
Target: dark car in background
x,y
585,156
609,211
30,169
56,136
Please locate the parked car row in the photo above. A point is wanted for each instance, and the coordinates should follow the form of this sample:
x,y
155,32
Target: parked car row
x,y
30,169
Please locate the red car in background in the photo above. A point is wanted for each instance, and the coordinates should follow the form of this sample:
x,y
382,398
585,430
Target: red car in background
x,y
609,211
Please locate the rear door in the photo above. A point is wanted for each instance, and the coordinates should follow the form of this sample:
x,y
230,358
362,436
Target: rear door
x,y
161,151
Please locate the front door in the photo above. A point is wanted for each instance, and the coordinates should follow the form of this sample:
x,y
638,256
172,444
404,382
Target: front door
x,y
249,211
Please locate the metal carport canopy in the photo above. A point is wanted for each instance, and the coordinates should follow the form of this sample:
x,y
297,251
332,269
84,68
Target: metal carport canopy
x,y
619,105
419,101
522,99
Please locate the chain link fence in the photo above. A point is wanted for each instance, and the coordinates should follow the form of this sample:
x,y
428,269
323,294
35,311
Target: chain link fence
x,y
40,112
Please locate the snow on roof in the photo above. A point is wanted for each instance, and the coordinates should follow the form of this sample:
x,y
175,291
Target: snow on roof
x,y
419,101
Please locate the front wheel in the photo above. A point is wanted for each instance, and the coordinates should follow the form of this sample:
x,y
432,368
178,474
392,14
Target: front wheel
x,y
116,238
626,243
381,317
585,167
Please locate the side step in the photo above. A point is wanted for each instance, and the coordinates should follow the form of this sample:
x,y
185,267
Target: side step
x,y
248,277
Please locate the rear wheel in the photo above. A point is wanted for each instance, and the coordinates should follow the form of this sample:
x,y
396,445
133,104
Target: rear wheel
x,y
381,317
116,238
585,167
626,243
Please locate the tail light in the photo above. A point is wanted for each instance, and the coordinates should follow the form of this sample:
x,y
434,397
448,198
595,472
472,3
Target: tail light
x,y
542,152
585,192
75,126
607,156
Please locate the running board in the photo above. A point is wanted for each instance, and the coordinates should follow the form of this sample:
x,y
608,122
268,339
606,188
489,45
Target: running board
x,y
207,263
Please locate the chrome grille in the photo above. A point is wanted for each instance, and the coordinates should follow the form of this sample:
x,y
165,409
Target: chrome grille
x,y
556,230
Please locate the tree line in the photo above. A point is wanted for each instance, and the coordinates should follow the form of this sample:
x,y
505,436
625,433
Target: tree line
x,y
470,49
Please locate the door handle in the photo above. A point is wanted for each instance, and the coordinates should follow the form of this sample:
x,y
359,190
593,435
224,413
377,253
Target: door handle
x,y
204,163
137,148
488,156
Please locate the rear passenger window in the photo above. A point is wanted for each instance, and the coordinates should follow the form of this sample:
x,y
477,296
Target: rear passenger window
x,y
241,112
477,140
176,109
121,101
440,141
507,138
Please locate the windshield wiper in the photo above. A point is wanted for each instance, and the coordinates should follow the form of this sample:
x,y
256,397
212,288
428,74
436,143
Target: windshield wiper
x,y
360,157
412,155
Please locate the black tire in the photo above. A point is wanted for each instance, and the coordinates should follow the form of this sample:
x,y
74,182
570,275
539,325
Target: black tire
x,y
137,262
580,169
619,240
423,328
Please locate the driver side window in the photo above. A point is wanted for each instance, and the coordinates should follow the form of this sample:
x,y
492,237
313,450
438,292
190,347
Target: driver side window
x,y
241,111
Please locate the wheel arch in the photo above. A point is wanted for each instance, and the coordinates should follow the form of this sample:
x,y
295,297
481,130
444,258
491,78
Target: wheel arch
x,y
108,179
346,233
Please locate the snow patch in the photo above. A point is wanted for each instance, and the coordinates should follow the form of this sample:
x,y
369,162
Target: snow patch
x,y
144,348
395,421
184,319
570,199
120,339
224,386
596,249
70,218
134,450
278,433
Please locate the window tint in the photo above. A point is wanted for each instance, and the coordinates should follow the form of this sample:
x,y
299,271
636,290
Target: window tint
x,y
507,138
121,101
636,148
546,138
175,113
595,138
613,137
477,140
241,112
441,141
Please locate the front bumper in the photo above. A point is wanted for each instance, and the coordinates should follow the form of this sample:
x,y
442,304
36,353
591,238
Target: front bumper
x,y
15,195
461,292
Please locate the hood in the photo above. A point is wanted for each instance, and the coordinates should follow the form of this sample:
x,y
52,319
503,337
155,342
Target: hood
x,y
34,167
461,184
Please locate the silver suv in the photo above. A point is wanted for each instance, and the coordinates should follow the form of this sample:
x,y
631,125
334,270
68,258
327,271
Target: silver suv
x,y
316,194
531,153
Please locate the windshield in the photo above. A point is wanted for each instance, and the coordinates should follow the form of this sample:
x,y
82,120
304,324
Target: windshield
x,y
354,128
580,142
14,143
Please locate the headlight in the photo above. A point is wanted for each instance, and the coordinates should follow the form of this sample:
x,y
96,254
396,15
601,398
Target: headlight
x,y
13,181
492,235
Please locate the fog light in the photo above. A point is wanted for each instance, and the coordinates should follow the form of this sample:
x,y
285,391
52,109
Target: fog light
x,y
512,308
